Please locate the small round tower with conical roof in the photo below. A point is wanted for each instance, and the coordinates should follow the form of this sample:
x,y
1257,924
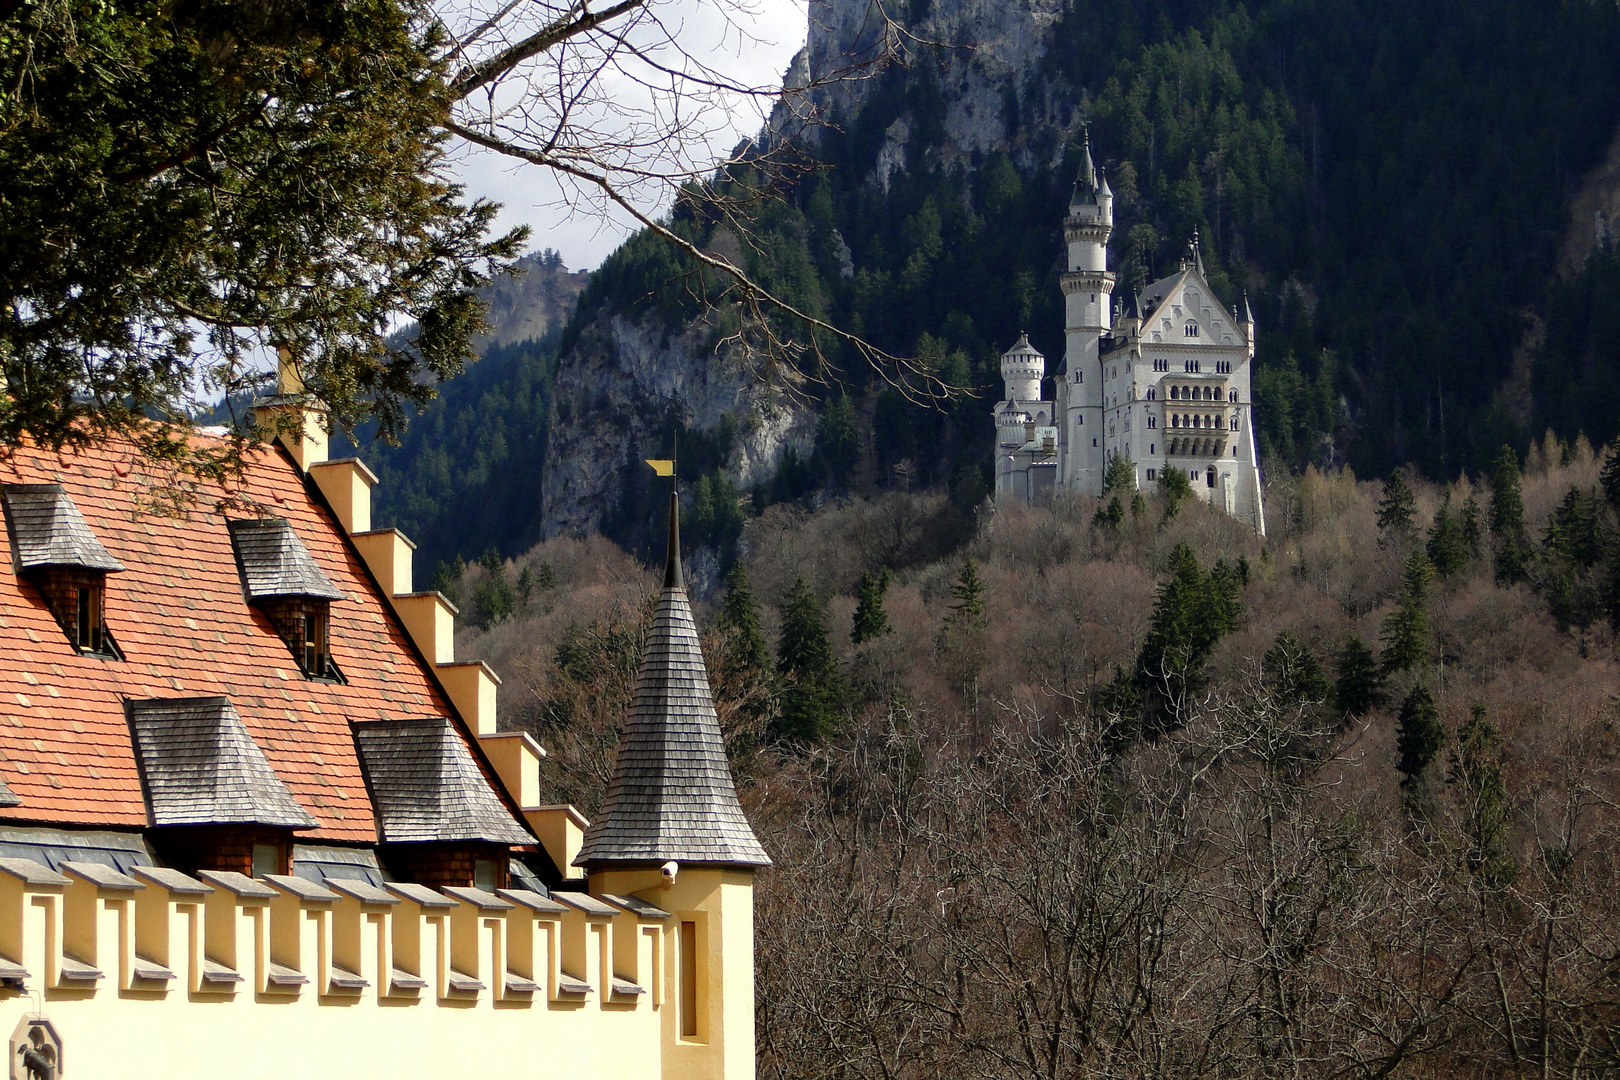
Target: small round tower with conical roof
x,y
1022,369
671,834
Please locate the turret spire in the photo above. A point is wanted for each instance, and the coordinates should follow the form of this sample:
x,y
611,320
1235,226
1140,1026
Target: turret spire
x,y
1085,183
672,797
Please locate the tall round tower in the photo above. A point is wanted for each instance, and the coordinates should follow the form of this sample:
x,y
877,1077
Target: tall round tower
x,y
1087,318
1023,368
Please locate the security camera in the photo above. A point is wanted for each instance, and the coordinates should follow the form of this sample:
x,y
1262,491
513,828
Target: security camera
x,y
669,870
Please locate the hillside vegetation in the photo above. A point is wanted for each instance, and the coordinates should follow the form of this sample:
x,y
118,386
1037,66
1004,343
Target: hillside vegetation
x,y
1148,796
1389,184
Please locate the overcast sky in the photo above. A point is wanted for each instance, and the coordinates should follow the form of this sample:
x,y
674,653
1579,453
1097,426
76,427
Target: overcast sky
x,y
775,32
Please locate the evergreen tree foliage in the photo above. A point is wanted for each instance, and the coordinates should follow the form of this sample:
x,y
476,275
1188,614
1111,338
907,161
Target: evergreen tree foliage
x,y
1406,629
1359,685
1292,669
447,579
1609,478
1192,611
871,620
1397,508
1447,545
493,599
1175,487
1109,515
1419,736
1476,775
965,630
838,441
1507,517
967,594
813,689
183,185
739,623
1120,475
1472,526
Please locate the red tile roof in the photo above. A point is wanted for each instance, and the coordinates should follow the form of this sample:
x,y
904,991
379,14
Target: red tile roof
x,y
179,616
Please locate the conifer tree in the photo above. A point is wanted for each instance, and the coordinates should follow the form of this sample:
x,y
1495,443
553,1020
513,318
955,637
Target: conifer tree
x,y
1175,487
1507,517
1120,475
964,631
739,623
1109,515
814,692
1609,478
1397,508
1359,686
871,620
1476,773
1192,612
1447,546
1472,531
1294,672
1419,736
1406,630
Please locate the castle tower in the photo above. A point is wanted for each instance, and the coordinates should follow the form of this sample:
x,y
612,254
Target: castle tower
x,y
1022,370
672,833
1088,313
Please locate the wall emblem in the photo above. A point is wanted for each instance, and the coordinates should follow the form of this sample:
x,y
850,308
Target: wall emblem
x,y
36,1050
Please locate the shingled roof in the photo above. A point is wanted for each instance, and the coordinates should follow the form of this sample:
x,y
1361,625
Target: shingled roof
x,y
274,562
426,786
201,767
48,530
672,796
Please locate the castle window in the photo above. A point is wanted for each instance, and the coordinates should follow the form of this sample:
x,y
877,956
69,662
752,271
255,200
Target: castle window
x,y
1232,397
1234,451
1094,443
1175,421
1151,393
53,549
1153,421
687,962
1234,423
1151,450
1190,330
1209,477
281,579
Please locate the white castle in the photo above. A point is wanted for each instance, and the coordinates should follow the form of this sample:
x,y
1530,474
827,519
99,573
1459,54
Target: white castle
x,y
1167,388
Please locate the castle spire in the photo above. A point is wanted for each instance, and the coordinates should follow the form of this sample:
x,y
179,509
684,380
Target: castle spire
x,y
1085,183
672,797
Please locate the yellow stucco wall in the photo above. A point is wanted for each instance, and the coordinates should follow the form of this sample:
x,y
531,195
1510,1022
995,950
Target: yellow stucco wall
x,y
120,1026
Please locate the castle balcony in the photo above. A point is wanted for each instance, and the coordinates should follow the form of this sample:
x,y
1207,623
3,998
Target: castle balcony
x,y
1078,281
1203,447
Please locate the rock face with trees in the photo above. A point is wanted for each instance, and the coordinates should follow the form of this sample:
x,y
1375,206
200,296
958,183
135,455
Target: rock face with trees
x,y
1071,795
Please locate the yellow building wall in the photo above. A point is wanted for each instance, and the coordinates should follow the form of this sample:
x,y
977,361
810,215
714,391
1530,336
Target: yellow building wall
x,y
118,1025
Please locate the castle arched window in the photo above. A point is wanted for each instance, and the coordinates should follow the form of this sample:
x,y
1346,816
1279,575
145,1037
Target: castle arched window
x,y
1175,393
1209,477
1234,423
1232,397
1190,330
1153,421
1175,421
1151,394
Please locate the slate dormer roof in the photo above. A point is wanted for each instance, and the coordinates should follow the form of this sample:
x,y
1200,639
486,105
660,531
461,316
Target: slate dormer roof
x,y
273,561
48,530
672,795
426,787
201,767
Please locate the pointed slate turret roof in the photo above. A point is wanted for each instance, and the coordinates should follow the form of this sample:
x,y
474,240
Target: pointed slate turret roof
x,y
672,796
1085,184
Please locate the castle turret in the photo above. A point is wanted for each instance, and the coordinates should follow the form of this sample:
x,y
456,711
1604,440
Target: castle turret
x,y
671,833
1023,369
1088,317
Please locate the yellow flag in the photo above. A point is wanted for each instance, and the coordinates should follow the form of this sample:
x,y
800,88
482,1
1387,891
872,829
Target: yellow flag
x,y
662,468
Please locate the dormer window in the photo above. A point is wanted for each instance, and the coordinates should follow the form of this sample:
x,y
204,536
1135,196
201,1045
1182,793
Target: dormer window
x,y
53,549
281,579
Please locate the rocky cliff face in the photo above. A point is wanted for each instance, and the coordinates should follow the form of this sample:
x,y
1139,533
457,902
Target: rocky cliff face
x,y
610,398
528,304
613,388
980,48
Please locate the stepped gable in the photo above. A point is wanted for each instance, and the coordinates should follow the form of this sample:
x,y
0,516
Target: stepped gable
x,y
203,768
672,795
186,631
427,787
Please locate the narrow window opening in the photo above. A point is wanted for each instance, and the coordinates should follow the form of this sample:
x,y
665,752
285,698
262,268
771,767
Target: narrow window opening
x,y
485,875
689,994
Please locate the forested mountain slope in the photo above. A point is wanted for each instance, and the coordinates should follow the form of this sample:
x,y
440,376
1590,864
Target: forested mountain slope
x,y
1390,184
